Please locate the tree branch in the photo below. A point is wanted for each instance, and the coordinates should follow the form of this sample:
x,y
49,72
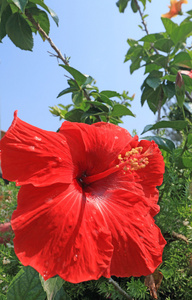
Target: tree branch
x,y
145,25
179,236
119,289
46,37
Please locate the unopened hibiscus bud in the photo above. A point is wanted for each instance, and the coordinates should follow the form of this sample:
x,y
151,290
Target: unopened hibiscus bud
x,y
179,80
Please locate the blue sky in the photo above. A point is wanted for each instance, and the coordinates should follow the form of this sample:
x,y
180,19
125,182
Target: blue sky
x,y
93,33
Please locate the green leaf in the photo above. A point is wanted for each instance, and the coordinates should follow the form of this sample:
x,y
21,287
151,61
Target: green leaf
x,y
164,45
78,76
189,139
77,98
182,59
135,65
151,67
3,5
180,33
40,17
52,286
74,115
19,32
169,25
153,82
152,38
4,18
169,89
122,4
187,162
177,125
162,61
100,105
21,4
102,97
26,285
48,9
93,111
110,94
68,90
163,143
134,6
62,295
121,110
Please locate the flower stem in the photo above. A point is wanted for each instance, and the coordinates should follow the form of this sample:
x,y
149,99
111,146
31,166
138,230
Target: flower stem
x,y
119,289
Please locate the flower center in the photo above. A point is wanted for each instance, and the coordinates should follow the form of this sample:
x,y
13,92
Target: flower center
x,y
133,160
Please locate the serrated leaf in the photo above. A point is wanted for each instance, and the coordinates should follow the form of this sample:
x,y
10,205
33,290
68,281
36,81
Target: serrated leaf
x,y
21,4
48,9
78,76
19,32
163,143
26,285
177,125
121,110
52,286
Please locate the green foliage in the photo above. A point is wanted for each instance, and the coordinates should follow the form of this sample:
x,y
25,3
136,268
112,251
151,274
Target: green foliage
x,y
26,285
52,286
161,55
137,289
158,53
175,216
9,265
178,125
20,18
90,105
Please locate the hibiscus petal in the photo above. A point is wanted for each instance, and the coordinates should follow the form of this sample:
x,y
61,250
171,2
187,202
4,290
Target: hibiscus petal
x,y
138,242
58,232
102,144
33,155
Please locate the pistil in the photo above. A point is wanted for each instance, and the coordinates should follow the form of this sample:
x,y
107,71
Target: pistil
x,y
133,160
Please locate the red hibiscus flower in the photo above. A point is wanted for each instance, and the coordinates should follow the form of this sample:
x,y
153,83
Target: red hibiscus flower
x,y
175,8
87,200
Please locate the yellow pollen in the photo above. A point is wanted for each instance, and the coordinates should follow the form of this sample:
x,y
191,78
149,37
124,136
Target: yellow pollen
x,y
134,160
